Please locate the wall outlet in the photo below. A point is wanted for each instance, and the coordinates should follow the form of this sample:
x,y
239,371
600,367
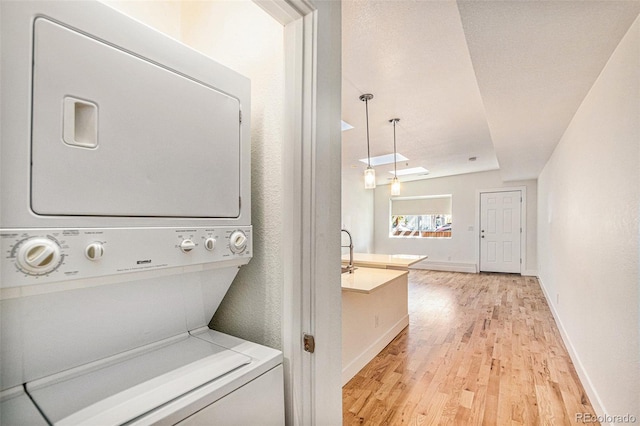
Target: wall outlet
x,y
376,321
557,298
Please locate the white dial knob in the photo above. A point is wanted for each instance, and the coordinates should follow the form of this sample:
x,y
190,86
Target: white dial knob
x,y
238,241
94,251
187,245
39,256
210,243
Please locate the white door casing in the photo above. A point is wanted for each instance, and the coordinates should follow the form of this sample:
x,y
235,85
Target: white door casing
x,y
311,204
500,231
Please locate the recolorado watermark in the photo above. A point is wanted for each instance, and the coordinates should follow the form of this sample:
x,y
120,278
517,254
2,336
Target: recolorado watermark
x,y
618,419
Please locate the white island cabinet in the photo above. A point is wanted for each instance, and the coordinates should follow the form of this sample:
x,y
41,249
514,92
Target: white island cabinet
x,y
374,311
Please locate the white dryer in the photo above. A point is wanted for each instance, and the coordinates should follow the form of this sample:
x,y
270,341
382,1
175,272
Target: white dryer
x,y
125,215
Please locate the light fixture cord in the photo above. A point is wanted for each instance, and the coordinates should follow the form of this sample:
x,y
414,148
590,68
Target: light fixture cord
x,y
395,156
366,105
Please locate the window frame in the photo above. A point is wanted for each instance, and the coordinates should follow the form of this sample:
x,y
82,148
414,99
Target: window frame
x,y
417,234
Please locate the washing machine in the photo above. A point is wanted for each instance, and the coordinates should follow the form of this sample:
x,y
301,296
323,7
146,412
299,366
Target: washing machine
x,y
125,217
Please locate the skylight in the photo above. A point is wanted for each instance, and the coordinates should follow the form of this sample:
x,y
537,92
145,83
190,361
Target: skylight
x,y
411,171
345,125
384,159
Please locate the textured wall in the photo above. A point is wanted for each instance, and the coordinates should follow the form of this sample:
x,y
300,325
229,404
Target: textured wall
x,y
164,16
462,247
589,194
357,212
241,36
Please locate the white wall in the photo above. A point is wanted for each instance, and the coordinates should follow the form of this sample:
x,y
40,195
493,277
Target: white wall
x,y
589,195
164,16
357,211
241,36
461,250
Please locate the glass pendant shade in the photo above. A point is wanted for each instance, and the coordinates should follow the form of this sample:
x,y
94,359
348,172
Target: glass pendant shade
x,y
369,178
369,173
395,186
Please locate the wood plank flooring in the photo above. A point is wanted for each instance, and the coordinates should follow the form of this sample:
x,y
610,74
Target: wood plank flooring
x,y
480,349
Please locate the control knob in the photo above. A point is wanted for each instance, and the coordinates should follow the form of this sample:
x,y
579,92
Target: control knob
x,y
38,256
187,245
94,251
238,241
210,243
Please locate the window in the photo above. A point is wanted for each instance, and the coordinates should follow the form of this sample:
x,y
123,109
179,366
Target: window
x,y
421,217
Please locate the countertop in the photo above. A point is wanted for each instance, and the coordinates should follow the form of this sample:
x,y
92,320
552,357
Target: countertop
x,y
397,261
367,280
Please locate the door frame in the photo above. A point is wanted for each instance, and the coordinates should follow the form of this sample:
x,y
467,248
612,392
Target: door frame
x,y
311,173
523,223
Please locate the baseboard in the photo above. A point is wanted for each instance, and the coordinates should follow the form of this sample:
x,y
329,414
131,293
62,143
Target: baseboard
x,y
374,349
594,398
470,268
446,266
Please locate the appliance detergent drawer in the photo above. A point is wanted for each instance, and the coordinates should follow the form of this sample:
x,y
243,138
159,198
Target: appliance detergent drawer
x,y
116,135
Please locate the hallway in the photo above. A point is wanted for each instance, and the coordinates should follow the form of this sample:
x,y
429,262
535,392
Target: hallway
x,y
479,349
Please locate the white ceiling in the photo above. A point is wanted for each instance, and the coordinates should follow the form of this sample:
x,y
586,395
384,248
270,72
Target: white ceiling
x,y
496,80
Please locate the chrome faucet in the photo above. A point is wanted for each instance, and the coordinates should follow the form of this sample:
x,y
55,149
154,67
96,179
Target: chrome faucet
x,y
350,267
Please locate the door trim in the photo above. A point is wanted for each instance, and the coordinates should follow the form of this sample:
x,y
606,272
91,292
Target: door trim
x,y
311,235
523,223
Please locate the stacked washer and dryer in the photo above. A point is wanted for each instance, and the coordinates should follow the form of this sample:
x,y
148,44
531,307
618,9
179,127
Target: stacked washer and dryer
x,y
125,178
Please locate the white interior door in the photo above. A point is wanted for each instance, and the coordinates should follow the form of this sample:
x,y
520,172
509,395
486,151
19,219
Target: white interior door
x,y
500,231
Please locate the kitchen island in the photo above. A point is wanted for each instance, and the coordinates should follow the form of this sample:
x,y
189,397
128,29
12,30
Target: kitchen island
x,y
374,311
386,261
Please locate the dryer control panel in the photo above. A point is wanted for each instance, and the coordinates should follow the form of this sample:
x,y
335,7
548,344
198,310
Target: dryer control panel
x,y
34,256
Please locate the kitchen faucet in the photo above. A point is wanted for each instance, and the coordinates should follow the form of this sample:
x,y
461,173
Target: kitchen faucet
x,y
350,267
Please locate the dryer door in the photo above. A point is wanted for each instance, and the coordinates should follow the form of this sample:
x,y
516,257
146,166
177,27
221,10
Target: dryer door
x,y
116,135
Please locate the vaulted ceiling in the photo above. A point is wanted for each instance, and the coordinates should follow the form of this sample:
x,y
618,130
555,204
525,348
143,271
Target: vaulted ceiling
x,y
495,80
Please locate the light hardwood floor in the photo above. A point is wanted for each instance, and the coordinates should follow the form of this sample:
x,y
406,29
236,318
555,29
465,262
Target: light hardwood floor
x,y
480,349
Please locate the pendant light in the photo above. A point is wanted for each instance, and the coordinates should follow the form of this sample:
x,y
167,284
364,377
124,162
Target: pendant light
x,y
369,173
395,183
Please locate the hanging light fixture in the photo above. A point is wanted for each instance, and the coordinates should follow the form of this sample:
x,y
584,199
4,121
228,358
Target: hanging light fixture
x,y
369,173
395,183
